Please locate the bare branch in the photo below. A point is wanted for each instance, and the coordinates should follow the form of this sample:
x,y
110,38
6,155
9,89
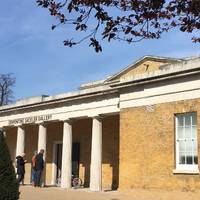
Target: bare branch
x,y
7,81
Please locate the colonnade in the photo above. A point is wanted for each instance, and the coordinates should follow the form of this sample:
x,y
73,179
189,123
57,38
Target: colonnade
x,y
96,151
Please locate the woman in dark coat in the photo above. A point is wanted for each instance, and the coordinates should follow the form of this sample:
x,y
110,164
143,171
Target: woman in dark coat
x,y
20,168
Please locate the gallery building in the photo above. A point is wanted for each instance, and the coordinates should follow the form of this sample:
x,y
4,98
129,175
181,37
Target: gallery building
x,y
136,129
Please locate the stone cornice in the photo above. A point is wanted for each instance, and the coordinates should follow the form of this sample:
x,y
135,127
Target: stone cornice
x,y
66,97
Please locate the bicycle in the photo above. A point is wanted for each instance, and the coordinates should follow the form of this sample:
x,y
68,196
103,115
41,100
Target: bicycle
x,y
76,182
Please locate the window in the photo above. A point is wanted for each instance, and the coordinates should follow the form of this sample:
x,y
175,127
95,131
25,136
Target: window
x,y
186,142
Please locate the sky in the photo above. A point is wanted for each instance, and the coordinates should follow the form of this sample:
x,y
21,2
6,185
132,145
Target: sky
x,y
42,65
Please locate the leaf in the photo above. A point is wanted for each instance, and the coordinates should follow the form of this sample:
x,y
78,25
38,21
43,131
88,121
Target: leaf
x,y
53,27
111,36
128,30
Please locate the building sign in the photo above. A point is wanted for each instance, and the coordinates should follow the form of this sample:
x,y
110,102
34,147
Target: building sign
x,y
30,120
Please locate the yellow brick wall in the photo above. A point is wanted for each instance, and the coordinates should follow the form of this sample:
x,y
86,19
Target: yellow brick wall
x,y
147,147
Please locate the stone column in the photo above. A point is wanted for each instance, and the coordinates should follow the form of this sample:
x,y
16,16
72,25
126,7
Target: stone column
x,y
20,147
42,138
42,144
66,155
96,155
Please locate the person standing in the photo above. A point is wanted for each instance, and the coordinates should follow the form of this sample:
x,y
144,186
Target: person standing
x,y
39,166
20,168
33,172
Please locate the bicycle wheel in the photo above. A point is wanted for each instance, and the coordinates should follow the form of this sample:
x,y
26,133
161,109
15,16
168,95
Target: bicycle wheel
x,y
77,182
58,182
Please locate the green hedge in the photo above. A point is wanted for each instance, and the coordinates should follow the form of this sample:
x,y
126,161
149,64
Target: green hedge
x,y
9,187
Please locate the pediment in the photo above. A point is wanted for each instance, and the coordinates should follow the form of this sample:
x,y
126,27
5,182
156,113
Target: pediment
x,y
144,65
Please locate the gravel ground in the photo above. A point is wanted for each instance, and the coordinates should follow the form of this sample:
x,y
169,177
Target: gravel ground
x,y
52,193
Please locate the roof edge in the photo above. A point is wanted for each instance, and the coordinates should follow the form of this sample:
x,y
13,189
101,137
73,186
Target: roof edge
x,y
150,57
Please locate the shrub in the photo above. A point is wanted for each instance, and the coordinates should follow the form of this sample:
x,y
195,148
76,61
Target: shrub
x,y
9,186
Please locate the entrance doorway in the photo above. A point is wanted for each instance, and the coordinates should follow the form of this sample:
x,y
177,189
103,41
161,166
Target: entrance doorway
x,y
58,161
75,159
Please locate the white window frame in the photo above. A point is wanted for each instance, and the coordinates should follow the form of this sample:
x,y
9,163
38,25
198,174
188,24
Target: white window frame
x,y
184,167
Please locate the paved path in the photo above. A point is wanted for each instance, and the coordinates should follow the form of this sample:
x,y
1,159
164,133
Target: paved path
x,y
51,193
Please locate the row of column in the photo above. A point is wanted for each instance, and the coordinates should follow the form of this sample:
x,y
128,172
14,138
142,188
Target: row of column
x,y
42,134
96,155
96,151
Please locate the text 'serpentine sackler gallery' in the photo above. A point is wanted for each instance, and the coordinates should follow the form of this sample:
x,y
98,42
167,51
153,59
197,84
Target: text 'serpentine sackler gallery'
x,y
139,128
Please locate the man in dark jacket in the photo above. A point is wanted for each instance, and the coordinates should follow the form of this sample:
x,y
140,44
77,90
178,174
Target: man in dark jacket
x,y
20,168
39,166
